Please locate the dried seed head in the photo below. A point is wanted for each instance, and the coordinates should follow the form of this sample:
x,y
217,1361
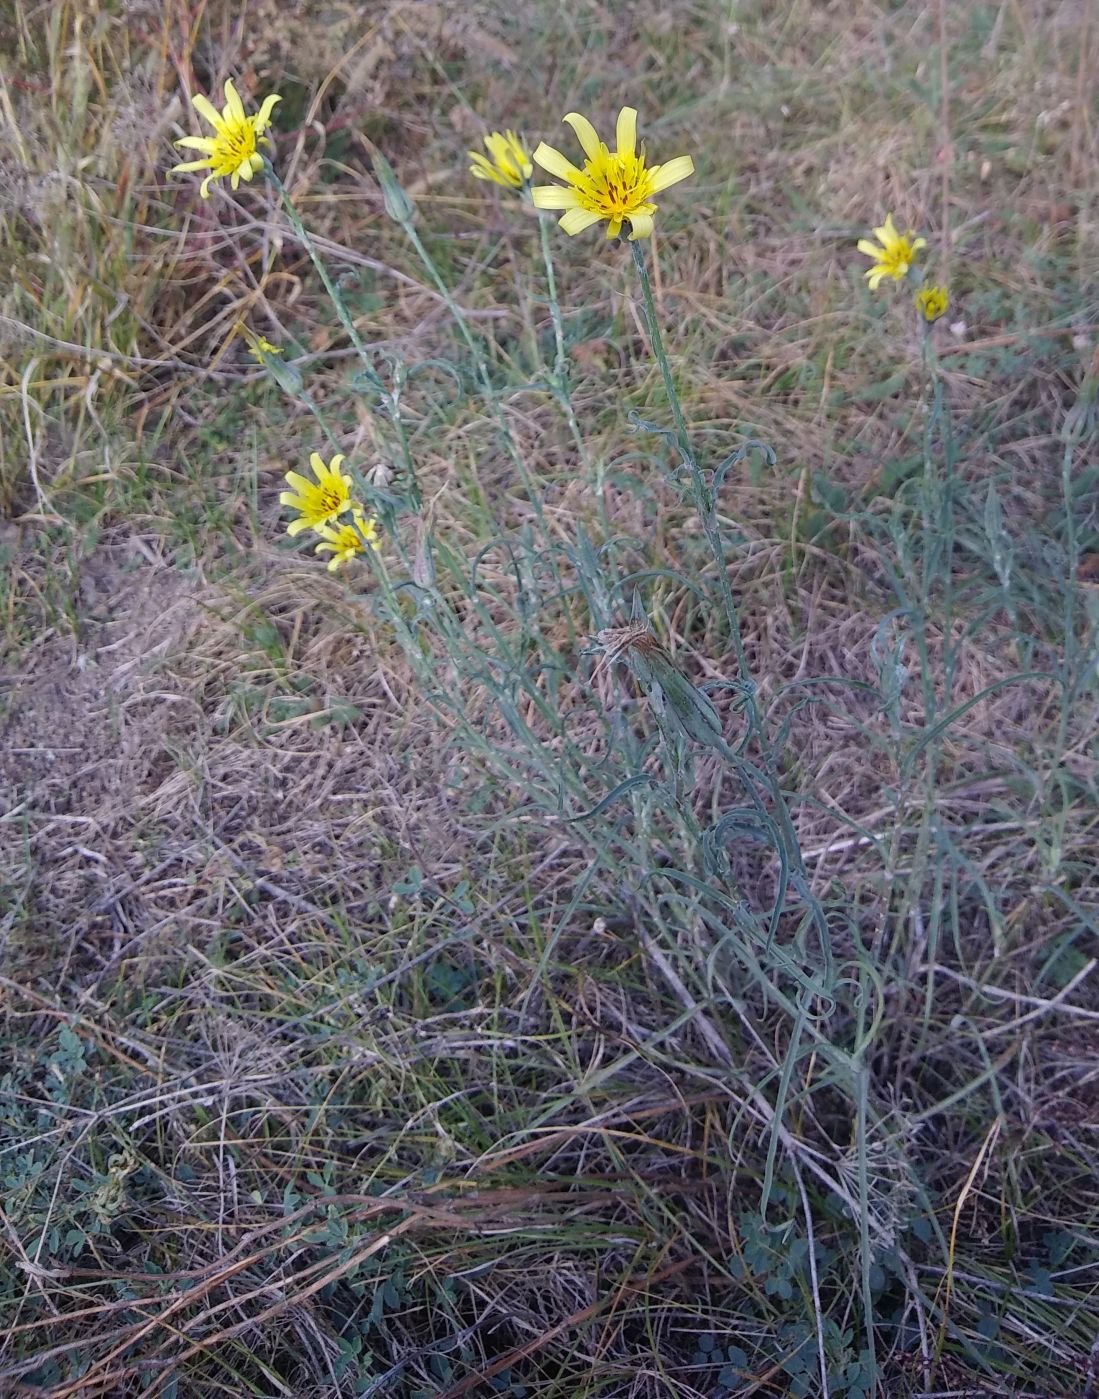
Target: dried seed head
x,y
616,641
670,692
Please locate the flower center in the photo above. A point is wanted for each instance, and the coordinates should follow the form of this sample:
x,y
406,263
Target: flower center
x,y
237,145
616,184
331,499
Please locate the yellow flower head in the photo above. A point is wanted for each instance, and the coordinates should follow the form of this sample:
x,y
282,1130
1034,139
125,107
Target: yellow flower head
x,y
318,504
510,164
346,542
261,346
232,150
613,185
931,302
894,257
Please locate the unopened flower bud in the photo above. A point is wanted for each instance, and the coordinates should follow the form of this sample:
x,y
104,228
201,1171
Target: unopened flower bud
x,y
397,204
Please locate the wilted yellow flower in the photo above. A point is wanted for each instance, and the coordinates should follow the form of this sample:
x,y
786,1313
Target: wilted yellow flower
x,y
931,302
510,164
613,185
260,347
347,541
894,257
233,149
318,504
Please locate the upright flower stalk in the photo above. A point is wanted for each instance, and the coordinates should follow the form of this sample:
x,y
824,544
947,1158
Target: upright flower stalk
x,y
402,211
614,189
704,496
560,379
233,152
330,287
787,845
894,257
370,371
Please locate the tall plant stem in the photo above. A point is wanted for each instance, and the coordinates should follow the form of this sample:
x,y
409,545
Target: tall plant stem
x,y
562,389
334,293
487,392
561,363
705,503
704,500
347,321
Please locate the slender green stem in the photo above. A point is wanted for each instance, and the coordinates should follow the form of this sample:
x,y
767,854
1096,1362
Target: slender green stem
x,y
1075,667
561,364
330,287
485,379
322,421
348,323
657,341
444,291
866,1255
706,506
562,388
704,499
938,510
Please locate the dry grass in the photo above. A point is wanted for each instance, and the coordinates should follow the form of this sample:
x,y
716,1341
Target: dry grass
x,y
337,1063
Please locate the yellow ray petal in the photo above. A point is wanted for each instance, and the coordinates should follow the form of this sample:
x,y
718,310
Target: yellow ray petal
x,y
262,120
671,172
483,169
556,164
585,134
641,225
576,220
554,197
519,155
197,143
887,233
190,165
233,105
206,109
625,132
